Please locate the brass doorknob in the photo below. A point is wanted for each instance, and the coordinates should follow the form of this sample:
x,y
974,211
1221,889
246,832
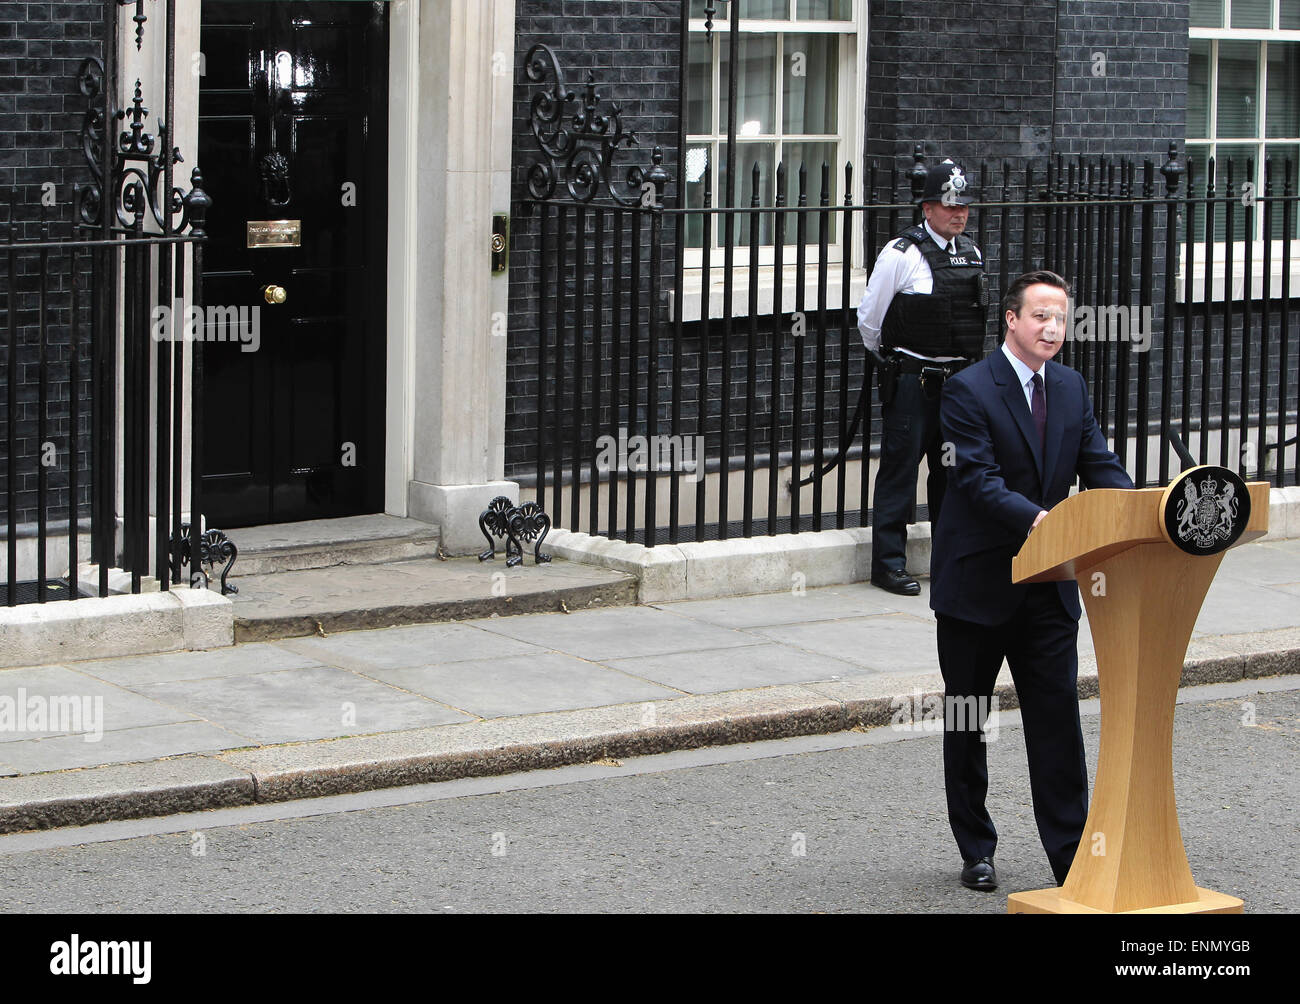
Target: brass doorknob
x,y
274,294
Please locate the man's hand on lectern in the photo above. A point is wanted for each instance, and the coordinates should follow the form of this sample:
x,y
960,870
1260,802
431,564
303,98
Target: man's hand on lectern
x,y
1038,519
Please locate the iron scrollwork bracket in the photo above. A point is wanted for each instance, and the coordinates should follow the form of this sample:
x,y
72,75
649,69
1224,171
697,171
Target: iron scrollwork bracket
x,y
502,518
130,168
90,81
214,546
136,186
578,146
126,172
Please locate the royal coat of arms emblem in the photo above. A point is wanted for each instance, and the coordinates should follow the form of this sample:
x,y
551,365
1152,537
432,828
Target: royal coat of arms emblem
x,y
1207,510
1206,516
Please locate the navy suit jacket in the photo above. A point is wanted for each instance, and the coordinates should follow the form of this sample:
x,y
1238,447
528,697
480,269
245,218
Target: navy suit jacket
x,y
1003,478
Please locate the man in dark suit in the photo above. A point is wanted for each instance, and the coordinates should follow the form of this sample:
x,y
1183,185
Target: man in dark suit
x,y
1019,428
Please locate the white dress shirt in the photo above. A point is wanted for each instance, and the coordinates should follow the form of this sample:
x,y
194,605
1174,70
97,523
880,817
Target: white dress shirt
x,y
1026,377
896,272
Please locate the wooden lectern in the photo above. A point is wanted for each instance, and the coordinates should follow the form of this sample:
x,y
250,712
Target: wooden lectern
x,y
1144,561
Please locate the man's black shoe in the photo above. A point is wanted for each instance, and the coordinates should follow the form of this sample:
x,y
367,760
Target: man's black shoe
x,y
896,580
980,875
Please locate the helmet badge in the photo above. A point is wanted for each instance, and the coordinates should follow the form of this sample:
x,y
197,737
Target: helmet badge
x,y
953,187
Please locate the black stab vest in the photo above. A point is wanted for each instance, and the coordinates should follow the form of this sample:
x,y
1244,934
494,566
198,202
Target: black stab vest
x,y
950,320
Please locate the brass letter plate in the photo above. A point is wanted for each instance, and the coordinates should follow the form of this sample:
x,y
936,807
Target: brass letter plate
x,y
274,233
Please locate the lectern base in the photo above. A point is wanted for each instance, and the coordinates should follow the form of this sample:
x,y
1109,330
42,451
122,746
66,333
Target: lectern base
x,y
1051,901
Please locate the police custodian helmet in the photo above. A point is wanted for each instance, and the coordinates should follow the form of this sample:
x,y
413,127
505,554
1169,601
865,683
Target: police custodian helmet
x,y
946,182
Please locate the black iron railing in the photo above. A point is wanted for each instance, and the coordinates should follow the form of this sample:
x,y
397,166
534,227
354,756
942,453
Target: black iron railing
x,y
658,323
102,337
80,363
649,349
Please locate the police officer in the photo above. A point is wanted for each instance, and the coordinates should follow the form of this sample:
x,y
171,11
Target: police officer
x,y
922,319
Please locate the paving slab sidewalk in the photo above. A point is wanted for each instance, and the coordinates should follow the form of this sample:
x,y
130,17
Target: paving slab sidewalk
x,y
302,717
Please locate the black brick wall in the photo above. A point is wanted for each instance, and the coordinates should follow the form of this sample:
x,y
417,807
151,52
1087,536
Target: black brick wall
x,y
1137,103
1014,81
41,47
970,81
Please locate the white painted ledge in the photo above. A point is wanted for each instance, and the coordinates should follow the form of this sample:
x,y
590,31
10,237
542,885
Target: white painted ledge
x,y
715,568
738,567
35,634
1284,513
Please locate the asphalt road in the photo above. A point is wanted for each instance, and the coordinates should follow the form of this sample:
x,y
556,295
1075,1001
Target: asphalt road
x,y
850,822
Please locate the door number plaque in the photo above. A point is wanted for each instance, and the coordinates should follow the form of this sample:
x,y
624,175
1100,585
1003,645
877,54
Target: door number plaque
x,y
274,233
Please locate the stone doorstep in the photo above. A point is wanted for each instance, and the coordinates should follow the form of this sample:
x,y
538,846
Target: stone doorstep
x,y
323,543
154,622
510,745
285,547
714,569
568,599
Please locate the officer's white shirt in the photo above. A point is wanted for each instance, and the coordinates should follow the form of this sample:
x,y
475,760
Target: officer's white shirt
x,y
896,272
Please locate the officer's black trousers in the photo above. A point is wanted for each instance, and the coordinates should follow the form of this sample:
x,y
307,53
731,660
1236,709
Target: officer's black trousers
x,y
1038,643
911,431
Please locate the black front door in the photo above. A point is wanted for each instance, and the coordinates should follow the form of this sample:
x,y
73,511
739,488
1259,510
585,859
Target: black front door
x,y
292,146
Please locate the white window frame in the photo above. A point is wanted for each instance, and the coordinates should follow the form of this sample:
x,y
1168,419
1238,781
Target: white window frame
x,y
851,140
1219,279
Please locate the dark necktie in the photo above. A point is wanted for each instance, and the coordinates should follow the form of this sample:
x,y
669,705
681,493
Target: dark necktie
x,y
1039,408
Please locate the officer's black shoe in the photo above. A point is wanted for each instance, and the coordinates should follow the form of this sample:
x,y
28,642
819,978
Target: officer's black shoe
x,y
896,580
979,874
